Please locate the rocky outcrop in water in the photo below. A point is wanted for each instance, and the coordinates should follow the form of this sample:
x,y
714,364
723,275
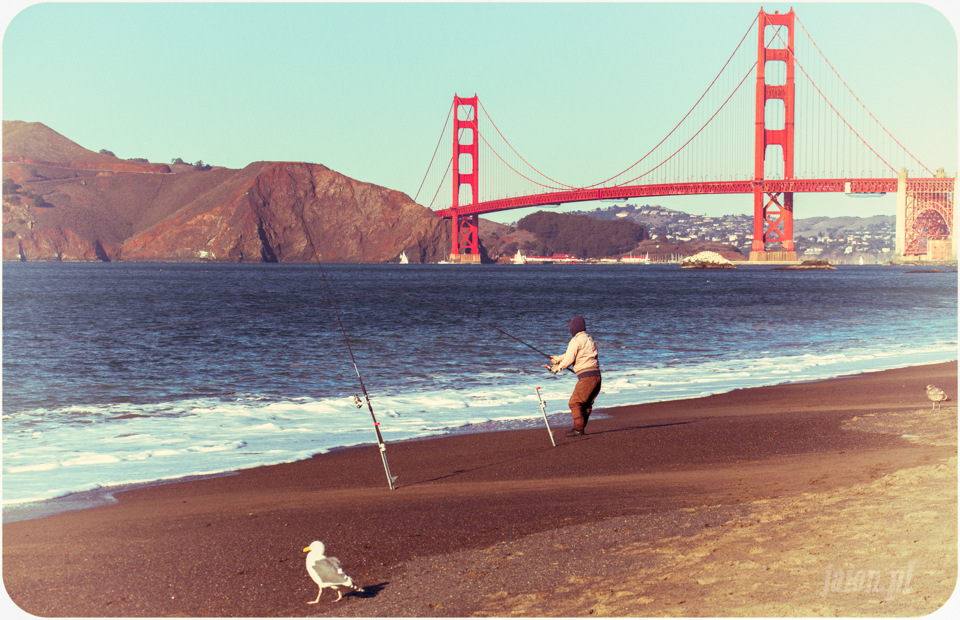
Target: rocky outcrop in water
x,y
816,264
706,260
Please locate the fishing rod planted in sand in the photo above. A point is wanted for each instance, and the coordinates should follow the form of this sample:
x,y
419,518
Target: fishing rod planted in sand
x,y
543,409
376,425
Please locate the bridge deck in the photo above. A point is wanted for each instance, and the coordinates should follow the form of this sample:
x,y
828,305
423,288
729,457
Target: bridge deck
x,y
677,189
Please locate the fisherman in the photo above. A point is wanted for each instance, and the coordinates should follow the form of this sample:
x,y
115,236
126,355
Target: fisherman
x,y
582,355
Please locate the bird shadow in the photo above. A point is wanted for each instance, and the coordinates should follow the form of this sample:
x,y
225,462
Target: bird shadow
x,y
369,591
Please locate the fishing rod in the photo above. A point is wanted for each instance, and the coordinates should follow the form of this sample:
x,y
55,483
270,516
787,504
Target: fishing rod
x,y
376,425
478,319
543,406
308,305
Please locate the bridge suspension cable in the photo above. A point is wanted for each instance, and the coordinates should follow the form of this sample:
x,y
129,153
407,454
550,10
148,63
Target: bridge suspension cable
x,y
833,137
558,184
435,151
685,144
850,90
685,116
839,115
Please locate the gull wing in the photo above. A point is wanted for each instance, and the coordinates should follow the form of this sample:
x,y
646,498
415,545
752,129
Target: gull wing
x,y
329,572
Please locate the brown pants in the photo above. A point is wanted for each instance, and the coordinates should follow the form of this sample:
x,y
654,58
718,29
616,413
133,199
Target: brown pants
x,y
581,402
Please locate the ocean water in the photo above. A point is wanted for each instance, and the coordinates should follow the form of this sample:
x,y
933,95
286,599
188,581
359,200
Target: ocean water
x,y
118,373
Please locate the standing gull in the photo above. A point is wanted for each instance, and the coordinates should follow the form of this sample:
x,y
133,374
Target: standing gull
x,y
326,571
936,395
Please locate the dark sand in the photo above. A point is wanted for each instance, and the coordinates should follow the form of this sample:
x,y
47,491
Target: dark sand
x,y
732,505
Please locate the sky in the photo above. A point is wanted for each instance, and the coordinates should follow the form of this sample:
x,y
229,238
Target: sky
x,y
364,88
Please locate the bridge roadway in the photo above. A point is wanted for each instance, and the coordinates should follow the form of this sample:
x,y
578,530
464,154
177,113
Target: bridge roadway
x,y
855,186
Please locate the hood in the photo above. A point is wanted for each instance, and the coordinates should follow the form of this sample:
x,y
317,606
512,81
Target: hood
x,y
577,325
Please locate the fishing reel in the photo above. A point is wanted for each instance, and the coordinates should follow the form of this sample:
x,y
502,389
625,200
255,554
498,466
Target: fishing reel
x,y
357,401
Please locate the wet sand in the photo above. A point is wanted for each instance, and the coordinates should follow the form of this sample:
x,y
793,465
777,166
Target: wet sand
x,y
828,498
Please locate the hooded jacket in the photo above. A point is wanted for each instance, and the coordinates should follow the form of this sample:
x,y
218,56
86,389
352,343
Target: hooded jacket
x,y
581,351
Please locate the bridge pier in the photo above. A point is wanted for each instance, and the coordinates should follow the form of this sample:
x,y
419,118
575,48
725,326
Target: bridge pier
x,y
772,223
466,238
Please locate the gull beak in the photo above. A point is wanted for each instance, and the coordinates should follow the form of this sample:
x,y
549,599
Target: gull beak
x,y
305,549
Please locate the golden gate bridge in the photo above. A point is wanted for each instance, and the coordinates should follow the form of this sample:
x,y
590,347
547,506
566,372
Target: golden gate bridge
x,y
811,133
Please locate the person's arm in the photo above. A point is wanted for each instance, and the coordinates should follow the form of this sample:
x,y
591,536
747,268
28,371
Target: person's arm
x,y
569,357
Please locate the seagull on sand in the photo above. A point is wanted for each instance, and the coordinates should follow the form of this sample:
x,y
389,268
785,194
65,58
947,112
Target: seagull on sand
x,y
326,571
936,395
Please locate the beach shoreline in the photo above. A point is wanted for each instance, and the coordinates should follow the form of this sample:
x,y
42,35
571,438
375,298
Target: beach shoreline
x,y
654,473
105,495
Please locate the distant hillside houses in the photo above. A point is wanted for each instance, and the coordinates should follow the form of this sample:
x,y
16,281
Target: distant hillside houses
x,y
842,239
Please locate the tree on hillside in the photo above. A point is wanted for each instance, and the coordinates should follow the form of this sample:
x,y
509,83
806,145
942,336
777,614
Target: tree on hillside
x,y
9,187
582,235
536,248
106,152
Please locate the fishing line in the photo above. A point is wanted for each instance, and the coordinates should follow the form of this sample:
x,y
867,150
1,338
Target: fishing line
x,y
332,301
469,316
193,321
376,425
479,320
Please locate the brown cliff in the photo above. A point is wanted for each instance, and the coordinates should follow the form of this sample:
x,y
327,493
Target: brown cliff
x,y
262,213
93,206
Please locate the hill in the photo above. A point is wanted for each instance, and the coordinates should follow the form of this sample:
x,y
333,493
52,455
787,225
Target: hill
x,y
818,226
65,202
580,233
35,144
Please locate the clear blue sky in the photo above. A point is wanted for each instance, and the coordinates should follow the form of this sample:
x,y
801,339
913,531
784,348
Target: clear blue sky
x,y
364,88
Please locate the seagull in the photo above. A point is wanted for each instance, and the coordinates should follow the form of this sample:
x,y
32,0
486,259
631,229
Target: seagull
x,y
326,571
936,395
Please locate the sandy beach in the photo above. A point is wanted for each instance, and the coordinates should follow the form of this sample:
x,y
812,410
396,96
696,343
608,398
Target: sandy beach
x,y
834,498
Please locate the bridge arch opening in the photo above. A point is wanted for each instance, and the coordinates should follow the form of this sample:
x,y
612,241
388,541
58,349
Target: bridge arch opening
x,y
775,73
465,194
774,115
776,36
932,224
773,162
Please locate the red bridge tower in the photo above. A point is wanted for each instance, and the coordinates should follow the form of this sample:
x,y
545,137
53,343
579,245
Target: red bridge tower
x,y
773,211
466,229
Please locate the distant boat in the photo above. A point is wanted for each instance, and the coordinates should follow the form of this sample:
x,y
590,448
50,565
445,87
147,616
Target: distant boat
x,y
519,258
403,258
861,260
